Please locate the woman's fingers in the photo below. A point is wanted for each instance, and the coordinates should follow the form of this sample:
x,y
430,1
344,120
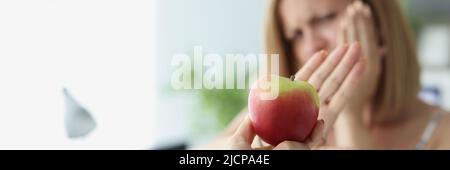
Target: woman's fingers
x,y
350,18
291,145
270,147
245,134
337,77
317,138
366,32
342,33
365,22
310,66
242,139
342,96
324,70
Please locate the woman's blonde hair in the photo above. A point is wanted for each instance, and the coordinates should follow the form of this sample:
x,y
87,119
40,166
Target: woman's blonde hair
x,y
399,80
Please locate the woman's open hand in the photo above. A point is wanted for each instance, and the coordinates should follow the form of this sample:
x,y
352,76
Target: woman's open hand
x,y
335,76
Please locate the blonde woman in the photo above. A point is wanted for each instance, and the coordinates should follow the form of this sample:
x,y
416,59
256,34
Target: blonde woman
x,y
361,56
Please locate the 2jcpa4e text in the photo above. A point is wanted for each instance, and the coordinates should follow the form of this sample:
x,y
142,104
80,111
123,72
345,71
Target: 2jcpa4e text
x,y
224,160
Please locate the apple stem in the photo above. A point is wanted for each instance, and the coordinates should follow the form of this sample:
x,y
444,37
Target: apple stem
x,y
292,78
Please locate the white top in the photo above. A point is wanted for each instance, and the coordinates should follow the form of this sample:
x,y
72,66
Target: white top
x,y
428,132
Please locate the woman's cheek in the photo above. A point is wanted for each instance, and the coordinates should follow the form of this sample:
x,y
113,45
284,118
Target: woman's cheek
x,y
329,32
301,57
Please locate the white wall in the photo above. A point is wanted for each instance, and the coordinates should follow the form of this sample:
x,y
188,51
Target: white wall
x,y
434,48
101,50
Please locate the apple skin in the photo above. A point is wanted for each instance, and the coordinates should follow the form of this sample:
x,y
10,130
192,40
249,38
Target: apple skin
x,y
289,117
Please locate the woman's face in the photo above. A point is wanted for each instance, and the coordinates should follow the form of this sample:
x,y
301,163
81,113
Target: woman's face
x,y
311,25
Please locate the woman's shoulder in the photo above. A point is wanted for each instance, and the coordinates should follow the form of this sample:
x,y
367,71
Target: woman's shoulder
x,y
442,133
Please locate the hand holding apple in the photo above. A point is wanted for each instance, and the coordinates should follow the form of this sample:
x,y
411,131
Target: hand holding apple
x,y
336,75
244,136
292,115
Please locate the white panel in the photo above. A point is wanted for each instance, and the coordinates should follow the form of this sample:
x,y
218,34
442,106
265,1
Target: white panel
x,y
101,50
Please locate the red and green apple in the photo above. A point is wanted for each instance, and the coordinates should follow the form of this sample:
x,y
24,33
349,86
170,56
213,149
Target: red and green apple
x,y
289,117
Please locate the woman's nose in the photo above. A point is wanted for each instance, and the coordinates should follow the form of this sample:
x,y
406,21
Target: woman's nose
x,y
314,42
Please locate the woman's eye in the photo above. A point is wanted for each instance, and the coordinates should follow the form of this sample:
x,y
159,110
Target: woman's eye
x,y
298,34
327,17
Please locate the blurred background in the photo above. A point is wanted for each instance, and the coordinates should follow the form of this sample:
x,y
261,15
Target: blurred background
x,y
95,74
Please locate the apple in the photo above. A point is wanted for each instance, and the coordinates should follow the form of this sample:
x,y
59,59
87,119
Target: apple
x,y
291,115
